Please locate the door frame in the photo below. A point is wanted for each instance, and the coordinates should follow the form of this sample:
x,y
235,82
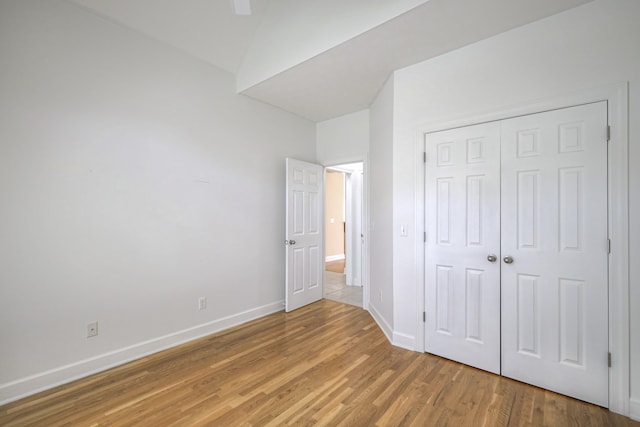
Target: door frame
x,y
616,96
365,217
349,220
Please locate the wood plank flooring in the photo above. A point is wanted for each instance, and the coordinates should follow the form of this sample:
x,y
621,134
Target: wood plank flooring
x,y
335,266
325,364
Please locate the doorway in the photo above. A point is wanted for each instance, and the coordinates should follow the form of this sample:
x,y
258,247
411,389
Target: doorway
x,y
344,195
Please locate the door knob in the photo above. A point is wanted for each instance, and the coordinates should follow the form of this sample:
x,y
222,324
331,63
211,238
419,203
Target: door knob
x,y
507,259
492,258
292,242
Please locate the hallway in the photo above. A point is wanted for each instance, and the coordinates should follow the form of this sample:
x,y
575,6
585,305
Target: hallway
x,y
335,287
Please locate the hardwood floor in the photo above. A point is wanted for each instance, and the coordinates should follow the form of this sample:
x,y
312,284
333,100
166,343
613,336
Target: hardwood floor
x,y
335,266
325,364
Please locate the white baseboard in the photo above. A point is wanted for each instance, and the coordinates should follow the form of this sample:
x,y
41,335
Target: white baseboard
x,y
330,258
381,321
634,409
395,338
27,386
404,341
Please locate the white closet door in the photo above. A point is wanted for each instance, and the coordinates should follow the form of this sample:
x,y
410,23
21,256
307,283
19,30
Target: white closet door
x,y
463,229
554,228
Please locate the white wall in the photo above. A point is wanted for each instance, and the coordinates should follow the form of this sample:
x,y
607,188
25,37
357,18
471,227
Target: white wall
x,y
133,181
589,46
343,139
294,31
381,303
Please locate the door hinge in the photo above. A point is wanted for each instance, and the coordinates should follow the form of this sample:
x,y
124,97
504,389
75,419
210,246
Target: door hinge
x,y
609,242
424,317
424,156
424,236
609,359
608,133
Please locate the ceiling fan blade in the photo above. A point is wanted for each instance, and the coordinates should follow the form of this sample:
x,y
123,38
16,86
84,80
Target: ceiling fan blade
x,y
242,7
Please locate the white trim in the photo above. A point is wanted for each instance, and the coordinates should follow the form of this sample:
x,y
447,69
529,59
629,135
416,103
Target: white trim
x,y
634,409
404,341
617,97
387,330
330,258
419,226
27,386
366,230
348,229
354,197
619,387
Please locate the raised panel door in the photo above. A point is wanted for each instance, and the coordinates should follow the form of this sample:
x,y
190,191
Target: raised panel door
x,y
554,227
463,228
303,241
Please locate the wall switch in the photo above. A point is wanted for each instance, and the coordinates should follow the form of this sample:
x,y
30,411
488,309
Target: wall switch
x,y
404,230
92,329
202,303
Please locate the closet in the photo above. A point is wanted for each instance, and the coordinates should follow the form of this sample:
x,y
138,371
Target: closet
x,y
516,256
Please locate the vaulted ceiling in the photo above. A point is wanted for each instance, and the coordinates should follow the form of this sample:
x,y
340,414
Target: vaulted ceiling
x,y
321,59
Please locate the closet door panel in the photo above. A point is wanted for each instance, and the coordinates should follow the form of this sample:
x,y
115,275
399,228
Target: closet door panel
x,y
462,224
554,229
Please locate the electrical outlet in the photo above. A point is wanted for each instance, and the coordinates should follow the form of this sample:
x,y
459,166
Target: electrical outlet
x,y
92,329
202,303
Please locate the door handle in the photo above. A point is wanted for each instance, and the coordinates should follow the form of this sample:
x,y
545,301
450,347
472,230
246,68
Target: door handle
x,y
289,242
492,258
507,259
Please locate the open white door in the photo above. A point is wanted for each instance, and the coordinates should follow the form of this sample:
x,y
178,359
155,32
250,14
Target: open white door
x,y
304,225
